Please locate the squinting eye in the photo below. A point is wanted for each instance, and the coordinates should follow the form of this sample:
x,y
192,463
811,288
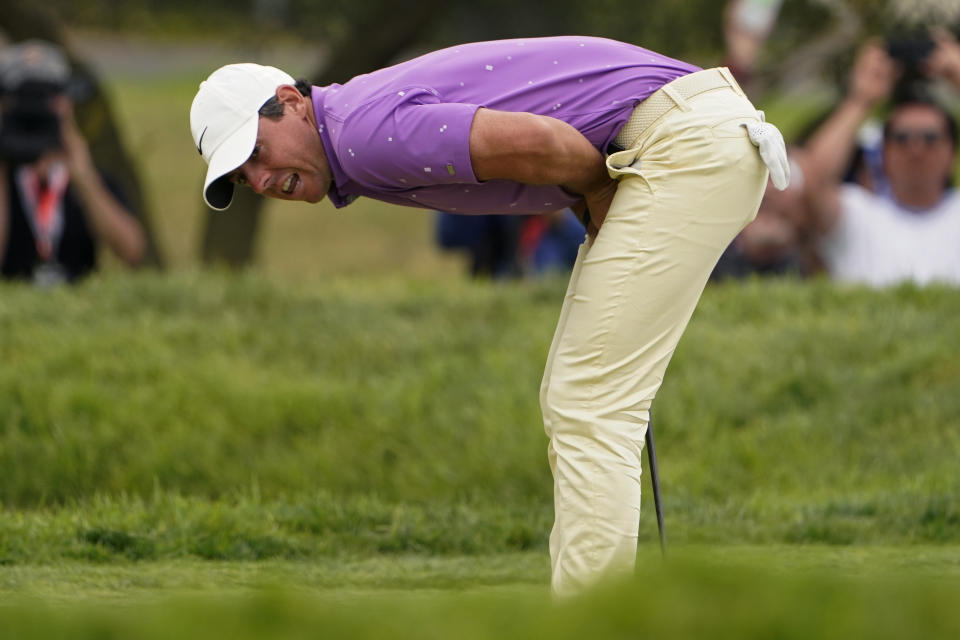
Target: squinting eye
x,y
256,152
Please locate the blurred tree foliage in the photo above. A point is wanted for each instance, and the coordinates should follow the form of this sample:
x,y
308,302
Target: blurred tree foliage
x,y
689,29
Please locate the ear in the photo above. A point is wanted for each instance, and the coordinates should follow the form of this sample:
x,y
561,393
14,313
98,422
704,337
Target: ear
x,y
290,97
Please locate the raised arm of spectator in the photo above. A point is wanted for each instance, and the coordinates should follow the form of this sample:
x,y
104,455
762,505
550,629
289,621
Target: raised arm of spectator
x,y
831,147
108,218
944,60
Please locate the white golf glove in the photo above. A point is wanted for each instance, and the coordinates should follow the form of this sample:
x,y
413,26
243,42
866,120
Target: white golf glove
x,y
773,151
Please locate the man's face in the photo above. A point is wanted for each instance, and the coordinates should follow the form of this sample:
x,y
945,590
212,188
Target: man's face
x,y
918,152
288,161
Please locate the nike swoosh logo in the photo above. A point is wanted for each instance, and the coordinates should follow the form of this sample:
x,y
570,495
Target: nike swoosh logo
x,y
200,142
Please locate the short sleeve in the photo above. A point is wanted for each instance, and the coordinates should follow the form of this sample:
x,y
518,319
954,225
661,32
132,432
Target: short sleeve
x,y
407,140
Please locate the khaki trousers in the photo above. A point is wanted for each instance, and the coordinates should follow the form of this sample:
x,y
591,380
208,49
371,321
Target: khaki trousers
x,y
687,184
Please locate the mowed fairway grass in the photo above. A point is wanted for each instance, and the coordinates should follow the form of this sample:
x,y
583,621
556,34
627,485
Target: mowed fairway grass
x,y
226,455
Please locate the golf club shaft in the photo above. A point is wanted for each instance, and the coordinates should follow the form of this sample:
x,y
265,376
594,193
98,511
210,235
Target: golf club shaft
x,y
655,481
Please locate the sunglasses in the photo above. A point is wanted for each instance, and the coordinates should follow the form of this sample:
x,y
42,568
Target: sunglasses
x,y
929,137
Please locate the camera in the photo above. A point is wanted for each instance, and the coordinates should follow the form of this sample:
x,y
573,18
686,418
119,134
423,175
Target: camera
x,y
911,52
911,49
32,75
28,125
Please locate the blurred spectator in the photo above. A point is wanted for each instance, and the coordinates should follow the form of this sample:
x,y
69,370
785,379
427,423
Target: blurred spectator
x,y
513,246
772,244
54,205
746,26
866,166
490,240
905,227
550,242
775,242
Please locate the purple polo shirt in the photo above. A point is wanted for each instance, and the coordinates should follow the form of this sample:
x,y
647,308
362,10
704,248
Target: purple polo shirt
x,y
402,134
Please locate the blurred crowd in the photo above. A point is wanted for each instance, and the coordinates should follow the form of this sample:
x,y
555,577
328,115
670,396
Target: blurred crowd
x,y
871,198
869,202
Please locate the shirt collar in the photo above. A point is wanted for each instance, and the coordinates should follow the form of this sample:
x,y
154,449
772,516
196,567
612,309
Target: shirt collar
x,y
337,194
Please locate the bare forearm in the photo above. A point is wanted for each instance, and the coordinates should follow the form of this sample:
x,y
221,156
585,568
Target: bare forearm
x,y
828,154
533,149
871,81
109,219
583,171
831,147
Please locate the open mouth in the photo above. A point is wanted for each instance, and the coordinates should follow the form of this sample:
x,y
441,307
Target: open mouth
x,y
290,184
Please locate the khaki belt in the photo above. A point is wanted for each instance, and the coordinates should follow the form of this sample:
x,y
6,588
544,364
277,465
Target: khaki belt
x,y
669,96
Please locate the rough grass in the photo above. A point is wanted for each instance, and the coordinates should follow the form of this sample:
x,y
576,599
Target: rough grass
x,y
223,417
232,456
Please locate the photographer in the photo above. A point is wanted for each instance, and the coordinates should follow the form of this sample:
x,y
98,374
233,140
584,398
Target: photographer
x,y
906,225
55,207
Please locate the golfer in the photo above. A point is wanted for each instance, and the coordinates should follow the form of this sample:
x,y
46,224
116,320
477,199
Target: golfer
x,y
664,163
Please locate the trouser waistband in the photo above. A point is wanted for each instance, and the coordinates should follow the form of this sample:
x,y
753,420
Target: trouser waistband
x,y
673,94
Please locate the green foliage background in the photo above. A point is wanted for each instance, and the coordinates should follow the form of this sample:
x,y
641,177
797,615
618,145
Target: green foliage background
x,y
687,29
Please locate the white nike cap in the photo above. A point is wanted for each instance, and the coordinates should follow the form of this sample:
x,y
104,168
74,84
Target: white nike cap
x,y
224,119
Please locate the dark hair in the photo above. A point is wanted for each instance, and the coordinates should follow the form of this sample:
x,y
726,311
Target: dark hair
x,y
923,101
273,109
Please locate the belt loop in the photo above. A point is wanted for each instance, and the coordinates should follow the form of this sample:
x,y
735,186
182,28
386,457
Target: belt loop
x,y
676,97
725,72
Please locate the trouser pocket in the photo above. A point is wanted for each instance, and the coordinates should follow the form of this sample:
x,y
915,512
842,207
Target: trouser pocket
x,y
626,162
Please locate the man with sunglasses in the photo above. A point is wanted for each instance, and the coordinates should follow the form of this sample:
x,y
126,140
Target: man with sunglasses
x,y
903,225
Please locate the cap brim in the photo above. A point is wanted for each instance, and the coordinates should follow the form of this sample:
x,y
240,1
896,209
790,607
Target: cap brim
x,y
233,152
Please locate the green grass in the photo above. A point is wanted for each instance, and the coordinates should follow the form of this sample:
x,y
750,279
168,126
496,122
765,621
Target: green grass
x,y
231,455
209,384
350,573
377,574
303,527
738,593
791,412
218,417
